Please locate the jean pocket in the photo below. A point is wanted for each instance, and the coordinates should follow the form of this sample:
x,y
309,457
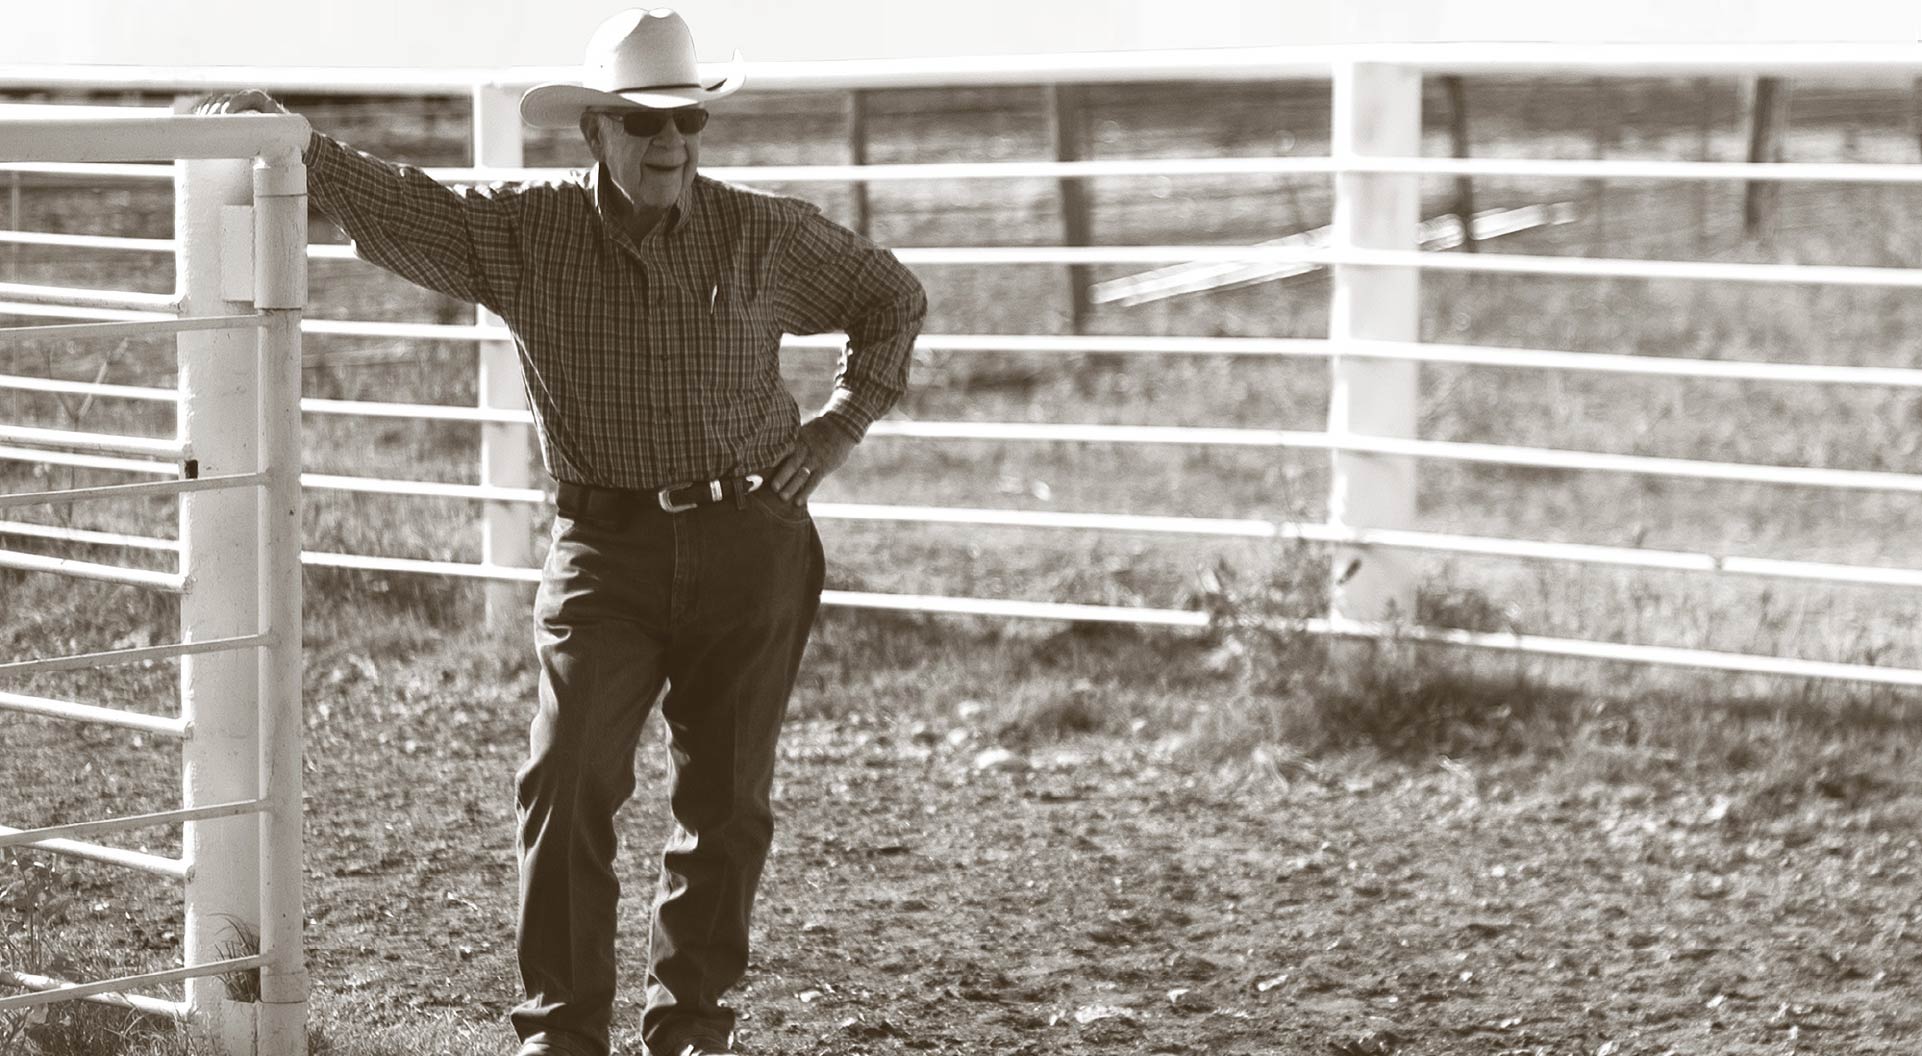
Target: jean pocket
x,y
777,509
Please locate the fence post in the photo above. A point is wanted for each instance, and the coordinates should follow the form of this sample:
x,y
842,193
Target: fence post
x,y
1457,94
858,214
1068,126
507,533
1377,110
1768,109
219,409
14,222
280,291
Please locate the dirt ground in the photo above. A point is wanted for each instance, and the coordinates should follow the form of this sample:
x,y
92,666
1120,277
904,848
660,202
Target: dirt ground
x,y
932,891
943,882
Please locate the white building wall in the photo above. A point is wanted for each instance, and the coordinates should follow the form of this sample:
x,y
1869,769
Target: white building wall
x,y
496,33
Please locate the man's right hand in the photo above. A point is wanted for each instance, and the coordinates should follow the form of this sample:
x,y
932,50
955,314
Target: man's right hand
x,y
245,101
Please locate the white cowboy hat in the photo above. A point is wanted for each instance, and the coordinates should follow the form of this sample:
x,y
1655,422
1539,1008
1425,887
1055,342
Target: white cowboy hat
x,y
637,58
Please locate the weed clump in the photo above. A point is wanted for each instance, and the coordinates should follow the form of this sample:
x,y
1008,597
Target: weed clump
x,y
1314,692
36,896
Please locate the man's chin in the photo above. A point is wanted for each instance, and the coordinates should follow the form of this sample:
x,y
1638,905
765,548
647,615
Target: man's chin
x,y
660,188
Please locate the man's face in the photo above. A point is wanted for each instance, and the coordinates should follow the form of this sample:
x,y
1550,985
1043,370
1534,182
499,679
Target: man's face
x,y
652,171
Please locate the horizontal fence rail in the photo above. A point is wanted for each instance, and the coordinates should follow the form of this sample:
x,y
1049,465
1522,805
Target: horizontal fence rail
x,y
1485,546
153,864
127,720
1890,173
90,170
170,582
153,447
151,138
1652,559
42,457
63,296
1500,263
1580,648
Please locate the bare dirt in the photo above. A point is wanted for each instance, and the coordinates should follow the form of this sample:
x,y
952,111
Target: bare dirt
x,y
932,890
947,880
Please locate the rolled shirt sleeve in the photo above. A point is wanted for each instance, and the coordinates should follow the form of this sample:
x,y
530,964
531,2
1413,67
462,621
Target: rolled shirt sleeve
x,y
832,279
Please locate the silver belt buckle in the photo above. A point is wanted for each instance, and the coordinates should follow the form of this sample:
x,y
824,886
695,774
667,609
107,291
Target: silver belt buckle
x,y
669,504
714,490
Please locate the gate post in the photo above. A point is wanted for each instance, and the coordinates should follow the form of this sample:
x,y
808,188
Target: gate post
x,y
1377,110
280,292
507,532
219,692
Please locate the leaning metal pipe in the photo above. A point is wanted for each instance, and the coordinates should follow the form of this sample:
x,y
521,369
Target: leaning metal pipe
x,y
70,991
31,837
152,1006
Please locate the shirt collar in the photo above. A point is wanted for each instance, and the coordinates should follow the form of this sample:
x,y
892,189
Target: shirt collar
x,y
600,186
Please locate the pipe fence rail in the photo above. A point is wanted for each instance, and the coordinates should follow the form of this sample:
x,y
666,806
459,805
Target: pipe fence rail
x,y
233,468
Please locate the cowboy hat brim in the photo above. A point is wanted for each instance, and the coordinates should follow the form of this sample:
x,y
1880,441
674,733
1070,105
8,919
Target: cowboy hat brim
x,y
560,105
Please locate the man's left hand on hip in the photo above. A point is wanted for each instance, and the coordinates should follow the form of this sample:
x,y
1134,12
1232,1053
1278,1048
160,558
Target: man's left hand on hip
x,y
819,449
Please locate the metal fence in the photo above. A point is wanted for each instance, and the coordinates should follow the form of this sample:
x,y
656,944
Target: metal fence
x,y
234,466
1372,343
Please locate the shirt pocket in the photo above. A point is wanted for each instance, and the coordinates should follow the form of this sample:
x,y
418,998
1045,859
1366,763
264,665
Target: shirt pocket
x,y
745,342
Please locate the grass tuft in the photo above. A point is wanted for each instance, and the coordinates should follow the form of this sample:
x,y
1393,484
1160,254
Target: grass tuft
x,y
243,941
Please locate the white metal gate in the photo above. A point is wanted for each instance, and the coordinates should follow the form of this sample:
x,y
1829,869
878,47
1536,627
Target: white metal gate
x,y
242,283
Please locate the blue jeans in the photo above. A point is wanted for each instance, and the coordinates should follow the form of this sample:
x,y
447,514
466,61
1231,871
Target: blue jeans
x,y
715,603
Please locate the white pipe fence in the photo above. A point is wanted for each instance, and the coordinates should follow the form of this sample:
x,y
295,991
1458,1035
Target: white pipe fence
x,y
1371,347
237,551
234,468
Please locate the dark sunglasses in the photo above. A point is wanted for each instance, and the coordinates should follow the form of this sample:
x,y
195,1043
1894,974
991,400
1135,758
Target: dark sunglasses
x,y
645,124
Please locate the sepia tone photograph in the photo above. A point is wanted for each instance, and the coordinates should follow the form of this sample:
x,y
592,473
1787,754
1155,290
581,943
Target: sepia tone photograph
x,y
1049,528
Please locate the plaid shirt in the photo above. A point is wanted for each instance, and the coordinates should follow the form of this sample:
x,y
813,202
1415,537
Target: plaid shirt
x,y
645,364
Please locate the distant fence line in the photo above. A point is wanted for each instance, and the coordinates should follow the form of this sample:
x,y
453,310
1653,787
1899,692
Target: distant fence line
x,y
1372,343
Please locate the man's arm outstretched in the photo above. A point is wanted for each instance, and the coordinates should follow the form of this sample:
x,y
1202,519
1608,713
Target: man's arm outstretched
x,y
463,242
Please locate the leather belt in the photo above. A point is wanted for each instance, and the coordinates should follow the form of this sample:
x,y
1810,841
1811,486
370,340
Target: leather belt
x,y
578,500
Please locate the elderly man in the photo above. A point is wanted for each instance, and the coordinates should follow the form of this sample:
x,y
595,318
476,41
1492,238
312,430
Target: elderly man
x,y
648,303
